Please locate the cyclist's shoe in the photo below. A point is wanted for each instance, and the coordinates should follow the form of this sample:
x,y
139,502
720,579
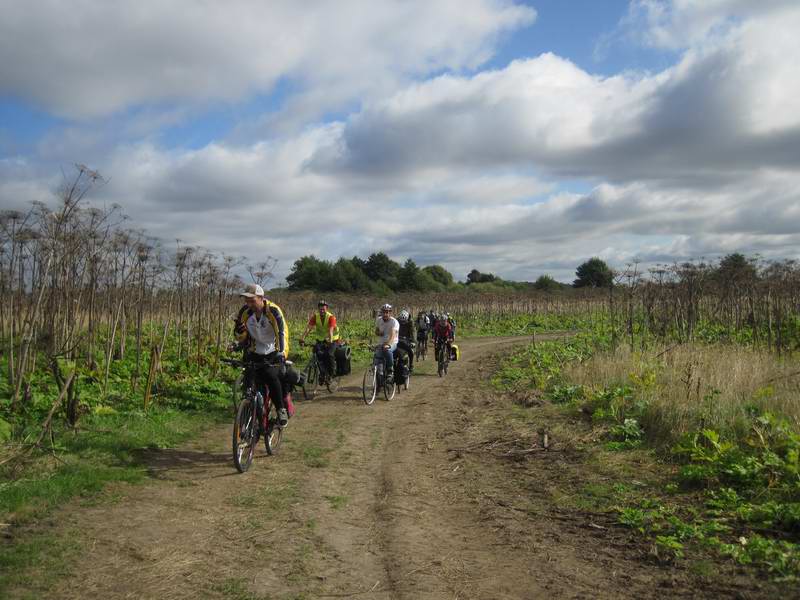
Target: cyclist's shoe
x,y
283,418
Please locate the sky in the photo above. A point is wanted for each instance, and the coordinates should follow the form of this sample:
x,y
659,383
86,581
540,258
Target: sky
x,y
518,138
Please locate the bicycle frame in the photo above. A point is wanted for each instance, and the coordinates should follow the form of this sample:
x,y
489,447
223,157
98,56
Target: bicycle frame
x,y
252,418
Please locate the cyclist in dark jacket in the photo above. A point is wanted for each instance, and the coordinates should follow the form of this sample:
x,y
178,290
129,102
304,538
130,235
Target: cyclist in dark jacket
x,y
406,336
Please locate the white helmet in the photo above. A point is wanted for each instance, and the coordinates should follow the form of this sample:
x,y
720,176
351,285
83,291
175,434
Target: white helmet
x,y
404,316
386,307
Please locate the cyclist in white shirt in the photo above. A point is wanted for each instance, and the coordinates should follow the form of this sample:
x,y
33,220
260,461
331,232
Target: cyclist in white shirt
x,y
388,328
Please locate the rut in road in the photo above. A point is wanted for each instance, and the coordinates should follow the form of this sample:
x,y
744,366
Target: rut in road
x,y
362,501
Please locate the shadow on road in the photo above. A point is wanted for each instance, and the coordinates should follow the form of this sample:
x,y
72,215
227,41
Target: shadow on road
x,y
165,463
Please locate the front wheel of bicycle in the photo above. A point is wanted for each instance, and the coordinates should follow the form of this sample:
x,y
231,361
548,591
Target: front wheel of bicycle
x,y
369,389
244,436
274,435
389,389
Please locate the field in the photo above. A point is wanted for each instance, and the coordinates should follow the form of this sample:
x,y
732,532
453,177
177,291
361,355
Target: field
x,y
652,425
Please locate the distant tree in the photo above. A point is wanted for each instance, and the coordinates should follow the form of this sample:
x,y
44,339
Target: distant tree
x,y
476,276
409,276
379,267
359,263
439,274
356,278
735,269
308,273
593,273
546,283
426,283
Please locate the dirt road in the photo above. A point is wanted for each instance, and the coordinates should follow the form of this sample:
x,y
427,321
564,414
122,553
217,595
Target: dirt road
x,y
383,501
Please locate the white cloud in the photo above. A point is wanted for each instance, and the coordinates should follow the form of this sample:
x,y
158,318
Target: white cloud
x,y
680,24
464,169
90,58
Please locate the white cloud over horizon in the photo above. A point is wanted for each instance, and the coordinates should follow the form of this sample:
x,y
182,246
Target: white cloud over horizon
x,y
443,161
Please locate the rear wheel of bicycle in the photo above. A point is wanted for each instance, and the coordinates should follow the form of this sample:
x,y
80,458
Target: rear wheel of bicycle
x,y
369,389
332,384
405,366
244,436
274,435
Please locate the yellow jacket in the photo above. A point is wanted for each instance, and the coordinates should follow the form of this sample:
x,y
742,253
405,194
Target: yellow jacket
x,y
276,319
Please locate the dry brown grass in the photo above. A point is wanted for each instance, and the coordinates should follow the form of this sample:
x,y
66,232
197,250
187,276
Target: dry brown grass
x,y
695,385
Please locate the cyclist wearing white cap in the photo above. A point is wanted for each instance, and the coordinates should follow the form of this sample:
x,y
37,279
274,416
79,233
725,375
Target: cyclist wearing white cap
x,y
262,331
388,329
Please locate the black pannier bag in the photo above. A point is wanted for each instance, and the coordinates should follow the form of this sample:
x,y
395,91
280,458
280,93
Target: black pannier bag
x,y
342,356
292,377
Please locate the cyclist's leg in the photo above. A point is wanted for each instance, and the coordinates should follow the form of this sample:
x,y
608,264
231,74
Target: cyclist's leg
x,y
388,357
319,353
271,374
330,358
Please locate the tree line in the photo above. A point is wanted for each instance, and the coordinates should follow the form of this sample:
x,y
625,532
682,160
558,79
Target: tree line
x,y
379,274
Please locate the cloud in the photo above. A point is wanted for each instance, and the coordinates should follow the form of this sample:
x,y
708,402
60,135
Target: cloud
x,y
467,168
725,108
680,24
91,58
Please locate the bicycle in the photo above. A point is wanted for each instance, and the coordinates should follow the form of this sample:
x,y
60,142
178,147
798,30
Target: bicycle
x,y
316,375
402,364
375,378
255,415
442,351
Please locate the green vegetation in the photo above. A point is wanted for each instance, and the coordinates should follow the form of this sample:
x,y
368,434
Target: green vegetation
x,y
728,440
593,273
378,274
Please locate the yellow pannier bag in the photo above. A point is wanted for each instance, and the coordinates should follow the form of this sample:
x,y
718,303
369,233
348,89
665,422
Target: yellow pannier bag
x,y
455,353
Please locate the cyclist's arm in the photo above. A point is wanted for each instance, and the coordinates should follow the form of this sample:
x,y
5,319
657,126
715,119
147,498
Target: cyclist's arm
x,y
240,327
331,326
281,330
305,333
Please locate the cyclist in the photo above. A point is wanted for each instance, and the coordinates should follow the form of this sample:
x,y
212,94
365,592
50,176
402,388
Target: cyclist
x,y
326,335
423,327
406,335
432,319
388,329
452,322
262,332
442,336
